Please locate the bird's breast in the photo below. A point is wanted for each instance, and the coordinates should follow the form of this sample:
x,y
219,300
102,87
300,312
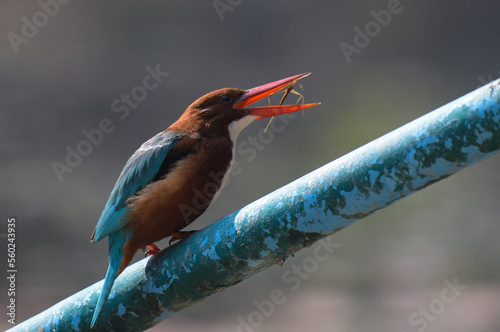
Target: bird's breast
x,y
184,193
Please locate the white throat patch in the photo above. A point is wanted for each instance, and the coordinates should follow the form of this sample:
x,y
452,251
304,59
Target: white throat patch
x,y
234,130
237,126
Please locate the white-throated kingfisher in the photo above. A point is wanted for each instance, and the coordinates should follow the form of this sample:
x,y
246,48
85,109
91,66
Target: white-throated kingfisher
x,y
161,179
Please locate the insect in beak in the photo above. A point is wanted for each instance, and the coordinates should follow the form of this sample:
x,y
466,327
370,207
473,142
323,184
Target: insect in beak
x,y
287,92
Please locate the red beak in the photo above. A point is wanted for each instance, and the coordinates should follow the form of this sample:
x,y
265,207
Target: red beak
x,y
260,92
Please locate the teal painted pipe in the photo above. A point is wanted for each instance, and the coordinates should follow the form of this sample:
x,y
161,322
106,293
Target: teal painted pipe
x,y
272,228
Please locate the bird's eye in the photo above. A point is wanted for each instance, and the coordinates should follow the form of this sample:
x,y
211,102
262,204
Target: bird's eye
x,y
225,99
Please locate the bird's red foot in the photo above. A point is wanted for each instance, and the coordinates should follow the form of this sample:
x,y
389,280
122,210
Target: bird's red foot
x,y
153,249
176,236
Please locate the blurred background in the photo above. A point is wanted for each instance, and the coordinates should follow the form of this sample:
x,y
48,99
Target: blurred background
x,y
66,66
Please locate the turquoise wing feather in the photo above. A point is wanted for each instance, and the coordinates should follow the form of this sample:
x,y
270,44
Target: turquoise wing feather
x,y
139,171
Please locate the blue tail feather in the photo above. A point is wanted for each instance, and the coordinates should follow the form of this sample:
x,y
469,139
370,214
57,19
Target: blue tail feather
x,y
116,242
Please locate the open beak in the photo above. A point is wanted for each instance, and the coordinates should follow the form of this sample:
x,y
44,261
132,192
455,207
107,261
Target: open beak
x,y
266,90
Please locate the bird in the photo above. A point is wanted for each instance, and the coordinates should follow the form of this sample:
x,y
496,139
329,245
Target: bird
x,y
155,194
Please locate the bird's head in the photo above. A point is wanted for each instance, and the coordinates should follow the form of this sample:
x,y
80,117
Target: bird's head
x,y
225,111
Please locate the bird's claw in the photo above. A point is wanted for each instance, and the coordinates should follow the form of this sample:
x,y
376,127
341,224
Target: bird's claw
x,y
176,236
153,249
